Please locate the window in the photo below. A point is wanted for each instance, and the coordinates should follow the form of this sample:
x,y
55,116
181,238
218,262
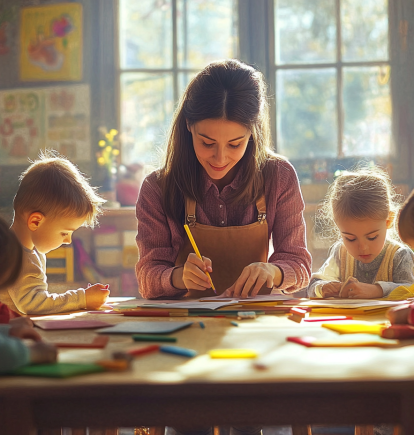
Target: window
x,y
332,74
162,45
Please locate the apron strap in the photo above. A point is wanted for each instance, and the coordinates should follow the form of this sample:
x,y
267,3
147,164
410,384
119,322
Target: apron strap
x,y
190,210
261,208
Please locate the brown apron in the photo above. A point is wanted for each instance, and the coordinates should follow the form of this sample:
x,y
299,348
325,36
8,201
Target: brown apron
x,y
230,249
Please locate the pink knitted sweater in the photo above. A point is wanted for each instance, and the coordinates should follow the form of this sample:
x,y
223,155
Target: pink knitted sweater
x,y
159,238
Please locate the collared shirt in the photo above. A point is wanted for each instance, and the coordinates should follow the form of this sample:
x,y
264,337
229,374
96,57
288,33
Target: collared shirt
x,y
160,239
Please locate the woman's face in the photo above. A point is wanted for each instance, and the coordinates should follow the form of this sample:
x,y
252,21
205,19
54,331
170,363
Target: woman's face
x,y
219,145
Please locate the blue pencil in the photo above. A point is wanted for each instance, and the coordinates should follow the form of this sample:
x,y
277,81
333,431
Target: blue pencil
x,y
202,326
234,323
189,353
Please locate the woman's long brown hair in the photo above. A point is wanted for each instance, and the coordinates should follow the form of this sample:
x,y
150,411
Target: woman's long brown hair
x,y
228,90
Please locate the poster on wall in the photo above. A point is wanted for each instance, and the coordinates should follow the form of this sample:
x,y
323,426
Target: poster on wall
x,y
51,42
32,119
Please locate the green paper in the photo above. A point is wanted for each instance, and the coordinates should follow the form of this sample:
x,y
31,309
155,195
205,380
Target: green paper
x,y
143,337
58,370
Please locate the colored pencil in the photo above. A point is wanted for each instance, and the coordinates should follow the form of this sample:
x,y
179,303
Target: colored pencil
x,y
234,323
193,244
143,350
189,353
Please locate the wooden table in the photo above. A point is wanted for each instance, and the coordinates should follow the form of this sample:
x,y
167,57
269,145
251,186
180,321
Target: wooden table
x,y
301,386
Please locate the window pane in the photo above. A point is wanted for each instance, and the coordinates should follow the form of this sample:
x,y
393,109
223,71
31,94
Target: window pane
x,y
207,31
306,113
364,30
145,36
305,31
367,110
146,110
184,79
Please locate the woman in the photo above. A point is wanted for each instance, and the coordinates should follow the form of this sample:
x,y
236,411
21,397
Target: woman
x,y
221,178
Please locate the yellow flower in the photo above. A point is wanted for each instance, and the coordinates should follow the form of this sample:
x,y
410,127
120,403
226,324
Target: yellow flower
x,y
102,143
101,161
115,152
113,132
108,149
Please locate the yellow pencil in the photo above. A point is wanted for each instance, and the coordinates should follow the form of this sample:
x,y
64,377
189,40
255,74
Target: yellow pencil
x,y
193,244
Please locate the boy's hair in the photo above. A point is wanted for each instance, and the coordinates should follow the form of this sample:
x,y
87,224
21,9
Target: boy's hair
x,y
363,193
11,255
52,185
406,219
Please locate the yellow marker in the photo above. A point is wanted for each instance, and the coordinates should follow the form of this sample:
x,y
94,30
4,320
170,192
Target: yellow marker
x,y
233,353
193,244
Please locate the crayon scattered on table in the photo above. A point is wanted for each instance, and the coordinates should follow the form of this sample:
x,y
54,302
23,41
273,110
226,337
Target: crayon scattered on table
x,y
233,353
114,364
202,325
143,350
180,351
234,323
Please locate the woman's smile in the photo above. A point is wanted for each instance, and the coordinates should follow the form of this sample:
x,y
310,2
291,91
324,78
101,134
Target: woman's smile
x,y
218,168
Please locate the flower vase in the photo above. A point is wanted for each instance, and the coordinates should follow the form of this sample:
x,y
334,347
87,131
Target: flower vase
x,y
108,192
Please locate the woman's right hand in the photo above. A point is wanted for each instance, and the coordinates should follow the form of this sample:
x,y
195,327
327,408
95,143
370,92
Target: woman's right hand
x,y
194,276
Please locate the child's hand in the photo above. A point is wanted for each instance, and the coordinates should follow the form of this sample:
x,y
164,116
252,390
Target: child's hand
x,y
21,321
42,353
359,290
96,296
399,315
331,289
24,332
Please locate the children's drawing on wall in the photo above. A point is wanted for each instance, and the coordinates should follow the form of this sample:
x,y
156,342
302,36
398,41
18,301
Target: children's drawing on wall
x,y
35,118
67,121
51,42
20,125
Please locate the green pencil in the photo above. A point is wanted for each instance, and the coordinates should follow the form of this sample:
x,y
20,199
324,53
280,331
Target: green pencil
x,y
147,337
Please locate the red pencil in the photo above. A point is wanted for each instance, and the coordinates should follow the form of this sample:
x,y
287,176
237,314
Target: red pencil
x,y
143,350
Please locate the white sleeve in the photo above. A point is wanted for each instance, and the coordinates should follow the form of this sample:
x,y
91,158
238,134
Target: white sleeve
x,y
329,271
30,293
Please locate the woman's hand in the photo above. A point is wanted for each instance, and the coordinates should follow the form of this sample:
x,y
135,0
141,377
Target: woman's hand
x,y
331,289
193,275
253,277
353,289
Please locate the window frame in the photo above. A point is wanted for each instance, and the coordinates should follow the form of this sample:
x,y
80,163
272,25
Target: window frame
x,y
339,65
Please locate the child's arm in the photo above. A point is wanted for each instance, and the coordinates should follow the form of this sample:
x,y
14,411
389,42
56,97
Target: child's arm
x,y
30,293
403,271
14,353
325,282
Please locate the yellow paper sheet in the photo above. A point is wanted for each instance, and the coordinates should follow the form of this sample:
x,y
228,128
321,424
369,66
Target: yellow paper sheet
x,y
355,328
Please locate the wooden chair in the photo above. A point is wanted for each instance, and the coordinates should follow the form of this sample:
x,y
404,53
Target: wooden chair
x,y
65,253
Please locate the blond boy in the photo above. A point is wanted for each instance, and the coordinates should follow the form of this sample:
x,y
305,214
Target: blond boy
x,y
53,200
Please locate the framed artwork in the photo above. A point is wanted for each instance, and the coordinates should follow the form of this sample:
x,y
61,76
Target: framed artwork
x,y
51,42
56,117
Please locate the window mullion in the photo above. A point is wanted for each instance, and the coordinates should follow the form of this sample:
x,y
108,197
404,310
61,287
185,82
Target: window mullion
x,y
339,79
175,50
